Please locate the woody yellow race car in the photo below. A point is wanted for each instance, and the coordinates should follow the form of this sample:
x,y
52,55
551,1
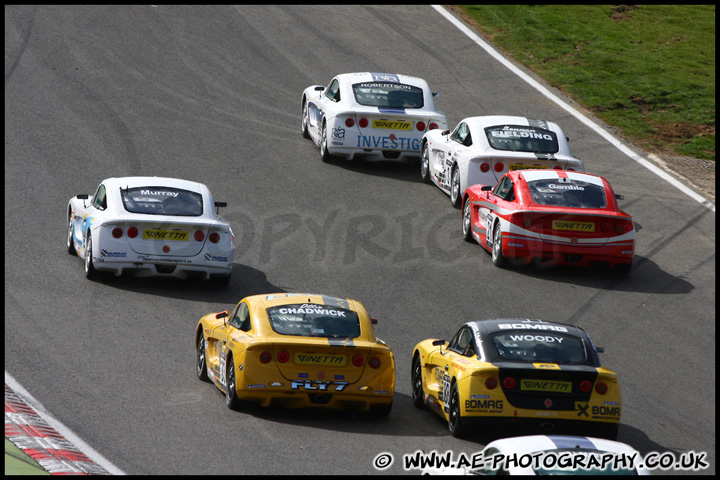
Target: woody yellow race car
x,y
517,372
297,350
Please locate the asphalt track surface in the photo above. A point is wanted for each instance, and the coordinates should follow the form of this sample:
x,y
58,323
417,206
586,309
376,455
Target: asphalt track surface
x,y
213,94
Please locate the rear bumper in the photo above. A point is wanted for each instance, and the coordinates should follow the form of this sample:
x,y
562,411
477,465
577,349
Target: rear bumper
x,y
526,250
201,266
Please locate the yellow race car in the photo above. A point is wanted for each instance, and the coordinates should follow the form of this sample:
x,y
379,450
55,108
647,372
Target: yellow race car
x,y
297,350
514,372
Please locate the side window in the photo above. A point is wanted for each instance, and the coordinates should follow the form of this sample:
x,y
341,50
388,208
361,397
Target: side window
x,y
505,189
462,134
241,320
462,343
333,91
100,199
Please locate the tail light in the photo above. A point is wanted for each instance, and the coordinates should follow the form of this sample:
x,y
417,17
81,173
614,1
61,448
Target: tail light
x,y
358,360
499,167
570,169
585,386
433,126
605,227
490,383
132,232
374,362
117,232
283,356
199,235
363,122
485,167
420,126
214,237
509,383
349,122
558,167
265,357
601,388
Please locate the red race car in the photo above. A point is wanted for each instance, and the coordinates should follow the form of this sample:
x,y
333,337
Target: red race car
x,y
550,215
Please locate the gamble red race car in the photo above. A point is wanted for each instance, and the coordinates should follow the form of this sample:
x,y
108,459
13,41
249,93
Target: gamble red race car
x,y
556,216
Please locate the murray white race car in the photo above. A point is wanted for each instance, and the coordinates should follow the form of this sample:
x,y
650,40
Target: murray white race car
x,y
151,226
483,149
372,116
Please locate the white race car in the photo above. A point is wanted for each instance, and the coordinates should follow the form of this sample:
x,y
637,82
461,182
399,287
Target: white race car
x,y
483,149
372,116
151,226
552,455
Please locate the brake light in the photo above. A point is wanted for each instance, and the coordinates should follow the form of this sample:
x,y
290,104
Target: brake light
x,y
349,122
214,237
558,168
433,126
490,383
605,227
509,383
499,167
117,232
132,232
374,362
585,386
358,360
601,388
265,357
283,356
484,167
199,235
619,228
363,122
421,126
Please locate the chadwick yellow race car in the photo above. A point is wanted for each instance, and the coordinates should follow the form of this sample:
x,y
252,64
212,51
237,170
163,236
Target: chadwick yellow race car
x,y
297,350
514,371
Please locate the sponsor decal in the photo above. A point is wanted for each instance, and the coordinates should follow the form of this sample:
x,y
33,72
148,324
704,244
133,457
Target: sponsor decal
x,y
531,326
484,404
338,133
105,253
392,125
573,226
384,77
381,392
307,308
318,385
536,338
390,142
582,409
511,132
547,366
569,186
215,258
605,411
257,386
149,259
545,386
166,235
477,397
526,167
159,193
313,359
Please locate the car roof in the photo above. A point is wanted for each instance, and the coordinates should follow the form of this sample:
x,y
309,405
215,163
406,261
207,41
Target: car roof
x,y
552,174
382,77
496,325
538,443
485,121
147,181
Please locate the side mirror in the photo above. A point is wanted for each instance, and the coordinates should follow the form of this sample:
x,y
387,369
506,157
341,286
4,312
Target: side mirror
x,y
319,89
83,196
619,197
600,349
374,321
224,314
219,205
446,132
438,342
486,188
435,94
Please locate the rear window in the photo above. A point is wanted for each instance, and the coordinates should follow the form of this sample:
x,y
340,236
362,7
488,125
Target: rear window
x,y
310,320
393,95
567,192
518,138
539,347
162,201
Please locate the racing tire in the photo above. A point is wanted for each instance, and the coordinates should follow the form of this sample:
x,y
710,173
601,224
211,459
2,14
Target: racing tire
x,y
324,154
90,272
305,133
455,193
456,425
418,398
70,242
201,364
498,259
425,165
466,221
381,410
231,399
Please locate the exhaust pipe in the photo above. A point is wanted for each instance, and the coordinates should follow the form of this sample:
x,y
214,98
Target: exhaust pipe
x,y
547,426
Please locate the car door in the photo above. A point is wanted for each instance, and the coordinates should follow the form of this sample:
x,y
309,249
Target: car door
x,y
442,361
218,337
501,201
91,214
447,153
